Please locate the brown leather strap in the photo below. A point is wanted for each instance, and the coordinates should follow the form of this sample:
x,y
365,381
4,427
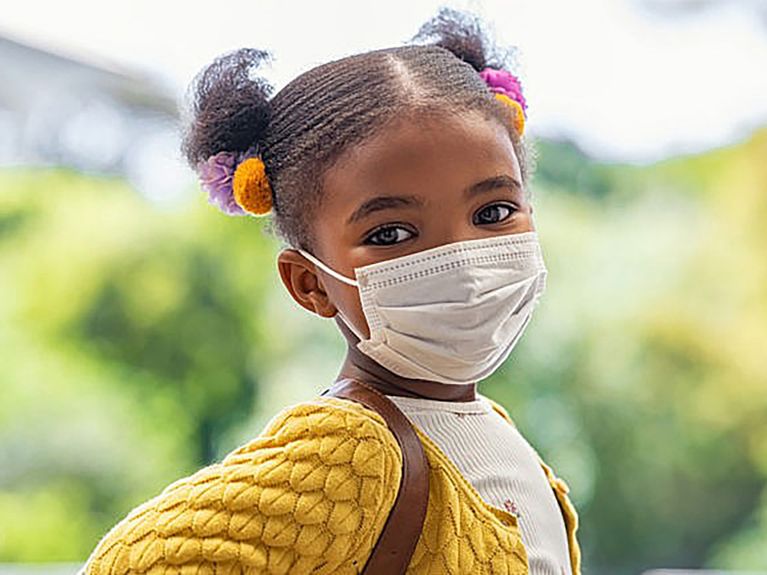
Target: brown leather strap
x,y
391,553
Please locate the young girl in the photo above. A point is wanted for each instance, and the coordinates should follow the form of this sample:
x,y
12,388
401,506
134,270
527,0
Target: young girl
x,y
398,179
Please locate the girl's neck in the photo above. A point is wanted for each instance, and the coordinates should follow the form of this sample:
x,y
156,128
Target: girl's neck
x,y
359,366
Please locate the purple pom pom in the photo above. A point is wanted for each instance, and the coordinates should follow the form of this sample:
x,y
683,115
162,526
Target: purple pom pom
x,y
216,177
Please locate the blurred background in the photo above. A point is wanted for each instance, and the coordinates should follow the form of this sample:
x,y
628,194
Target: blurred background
x,y
143,334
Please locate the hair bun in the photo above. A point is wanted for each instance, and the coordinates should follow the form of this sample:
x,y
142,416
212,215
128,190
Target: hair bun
x,y
458,32
231,110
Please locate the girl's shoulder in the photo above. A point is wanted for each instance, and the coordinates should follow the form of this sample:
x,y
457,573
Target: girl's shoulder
x,y
498,408
310,493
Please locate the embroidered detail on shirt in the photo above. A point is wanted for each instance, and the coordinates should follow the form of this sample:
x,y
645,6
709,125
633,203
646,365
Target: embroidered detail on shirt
x,y
511,507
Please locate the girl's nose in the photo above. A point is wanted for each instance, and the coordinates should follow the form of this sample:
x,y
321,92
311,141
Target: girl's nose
x,y
449,232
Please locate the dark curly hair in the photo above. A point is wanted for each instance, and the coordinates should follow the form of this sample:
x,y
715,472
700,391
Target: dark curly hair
x,y
305,127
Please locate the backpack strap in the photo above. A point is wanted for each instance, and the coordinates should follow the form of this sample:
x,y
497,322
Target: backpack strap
x,y
397,541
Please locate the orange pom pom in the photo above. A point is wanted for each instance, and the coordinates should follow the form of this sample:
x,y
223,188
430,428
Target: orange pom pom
x,y
252,191
517,112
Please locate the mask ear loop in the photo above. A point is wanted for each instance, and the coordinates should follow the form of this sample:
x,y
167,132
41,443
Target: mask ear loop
x,y
339,277
327,269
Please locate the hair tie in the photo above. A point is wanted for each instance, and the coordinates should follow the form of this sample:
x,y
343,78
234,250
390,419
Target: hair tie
x,y
508,90
236,183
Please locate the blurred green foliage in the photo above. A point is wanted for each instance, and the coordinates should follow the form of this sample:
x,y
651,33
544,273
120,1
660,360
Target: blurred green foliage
x,y
139,344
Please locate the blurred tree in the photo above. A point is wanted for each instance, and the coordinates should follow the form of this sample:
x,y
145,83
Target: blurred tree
x,y
130,351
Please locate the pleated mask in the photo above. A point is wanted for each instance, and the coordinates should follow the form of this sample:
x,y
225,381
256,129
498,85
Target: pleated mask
x,y
452,313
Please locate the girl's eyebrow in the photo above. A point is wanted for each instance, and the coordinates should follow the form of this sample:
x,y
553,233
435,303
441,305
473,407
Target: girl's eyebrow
x,y
499,181
387,202
382,203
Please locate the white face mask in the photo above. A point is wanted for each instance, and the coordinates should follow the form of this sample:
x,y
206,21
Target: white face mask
x,y
450,314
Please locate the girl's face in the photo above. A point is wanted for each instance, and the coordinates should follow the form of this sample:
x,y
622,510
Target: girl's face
x,y
415,186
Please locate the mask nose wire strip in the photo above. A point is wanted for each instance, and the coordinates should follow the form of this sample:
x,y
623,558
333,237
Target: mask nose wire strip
x,y
331,271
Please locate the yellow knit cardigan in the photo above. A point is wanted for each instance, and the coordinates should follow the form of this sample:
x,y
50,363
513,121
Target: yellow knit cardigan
x,y
310,494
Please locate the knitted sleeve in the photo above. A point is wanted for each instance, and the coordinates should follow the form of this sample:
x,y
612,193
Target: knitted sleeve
x,y
310,494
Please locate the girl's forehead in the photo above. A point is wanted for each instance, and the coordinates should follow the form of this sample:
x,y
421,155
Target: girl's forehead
x,y
414,153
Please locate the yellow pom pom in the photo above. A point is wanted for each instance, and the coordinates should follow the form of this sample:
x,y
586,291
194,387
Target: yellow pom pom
x,y
518,113
252,191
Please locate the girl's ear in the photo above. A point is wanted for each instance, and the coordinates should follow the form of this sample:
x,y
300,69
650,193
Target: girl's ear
x,y
302,282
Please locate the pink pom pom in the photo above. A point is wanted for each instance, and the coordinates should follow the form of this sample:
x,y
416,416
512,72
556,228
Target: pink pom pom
x,y
504,82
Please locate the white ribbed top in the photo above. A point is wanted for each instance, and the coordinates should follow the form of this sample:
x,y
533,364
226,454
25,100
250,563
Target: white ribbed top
x,y
494,457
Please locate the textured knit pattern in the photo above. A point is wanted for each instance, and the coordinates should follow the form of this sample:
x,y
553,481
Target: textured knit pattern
x,y
310,494
502,466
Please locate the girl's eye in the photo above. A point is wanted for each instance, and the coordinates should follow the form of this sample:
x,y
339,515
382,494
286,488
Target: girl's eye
x,y
493,214
388,236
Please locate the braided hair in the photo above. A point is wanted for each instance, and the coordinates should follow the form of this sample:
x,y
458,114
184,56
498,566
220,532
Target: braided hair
x,y
305,127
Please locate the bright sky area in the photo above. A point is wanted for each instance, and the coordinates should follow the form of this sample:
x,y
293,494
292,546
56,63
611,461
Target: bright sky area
x,y
625,82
